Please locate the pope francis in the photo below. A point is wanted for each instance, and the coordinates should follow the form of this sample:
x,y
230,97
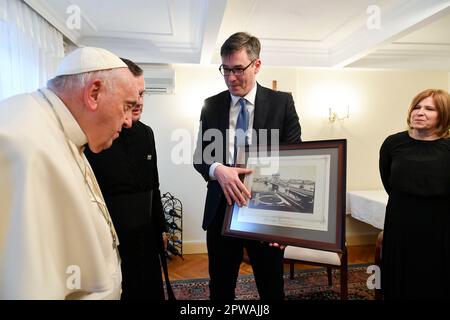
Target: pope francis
x,y
57,240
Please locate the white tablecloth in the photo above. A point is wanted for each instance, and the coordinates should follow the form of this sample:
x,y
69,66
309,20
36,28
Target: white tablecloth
x,y
368,206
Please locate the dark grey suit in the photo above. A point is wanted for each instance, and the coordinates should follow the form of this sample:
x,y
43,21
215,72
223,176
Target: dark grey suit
x,y
273,110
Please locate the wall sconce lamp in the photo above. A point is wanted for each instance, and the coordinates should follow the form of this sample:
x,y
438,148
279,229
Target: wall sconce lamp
x,y
334,115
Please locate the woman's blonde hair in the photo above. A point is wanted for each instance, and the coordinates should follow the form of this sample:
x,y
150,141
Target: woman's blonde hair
x,y
441,100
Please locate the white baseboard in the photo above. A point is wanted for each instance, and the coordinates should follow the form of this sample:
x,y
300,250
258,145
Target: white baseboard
x,y
192,247
195,247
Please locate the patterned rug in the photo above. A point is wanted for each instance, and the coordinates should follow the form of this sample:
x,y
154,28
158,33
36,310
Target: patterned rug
x,y
306,285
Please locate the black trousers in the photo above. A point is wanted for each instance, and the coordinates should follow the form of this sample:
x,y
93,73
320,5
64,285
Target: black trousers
x,y
141,268
225,256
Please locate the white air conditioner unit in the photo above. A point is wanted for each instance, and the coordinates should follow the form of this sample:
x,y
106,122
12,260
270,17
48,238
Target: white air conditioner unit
x,y
159,78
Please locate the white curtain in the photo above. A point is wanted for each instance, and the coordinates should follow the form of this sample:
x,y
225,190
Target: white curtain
x,y
30,49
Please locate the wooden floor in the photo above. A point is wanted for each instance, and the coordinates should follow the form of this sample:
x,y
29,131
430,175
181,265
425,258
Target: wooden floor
x,y
196,265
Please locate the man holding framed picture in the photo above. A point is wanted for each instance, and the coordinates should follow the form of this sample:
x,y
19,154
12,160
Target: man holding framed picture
x,y
246,113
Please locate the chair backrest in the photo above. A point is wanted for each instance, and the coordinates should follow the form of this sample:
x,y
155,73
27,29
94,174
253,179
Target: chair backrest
x,y
312,255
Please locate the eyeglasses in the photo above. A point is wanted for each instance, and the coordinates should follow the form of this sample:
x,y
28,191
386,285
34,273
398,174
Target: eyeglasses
x,y
236,71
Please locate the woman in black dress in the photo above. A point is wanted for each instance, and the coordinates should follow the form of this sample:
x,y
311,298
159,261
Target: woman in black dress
x,y
415,171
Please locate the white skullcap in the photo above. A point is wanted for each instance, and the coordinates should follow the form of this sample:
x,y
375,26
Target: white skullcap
x,y
88,59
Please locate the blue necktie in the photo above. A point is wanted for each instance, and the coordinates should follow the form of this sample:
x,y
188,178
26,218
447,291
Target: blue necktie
x,y
240,138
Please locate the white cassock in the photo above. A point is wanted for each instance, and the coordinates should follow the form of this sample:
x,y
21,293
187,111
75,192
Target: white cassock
x,y
55,242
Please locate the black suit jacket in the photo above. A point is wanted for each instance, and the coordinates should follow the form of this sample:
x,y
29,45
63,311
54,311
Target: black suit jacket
x,y
273,110
128,177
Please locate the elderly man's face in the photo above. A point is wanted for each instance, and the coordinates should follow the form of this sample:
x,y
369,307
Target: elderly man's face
x,y
114,110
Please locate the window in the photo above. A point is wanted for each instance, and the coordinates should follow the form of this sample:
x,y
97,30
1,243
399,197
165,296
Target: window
x,y
30,49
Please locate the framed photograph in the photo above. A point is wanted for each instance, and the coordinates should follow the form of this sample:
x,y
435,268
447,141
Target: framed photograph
x,y
298,195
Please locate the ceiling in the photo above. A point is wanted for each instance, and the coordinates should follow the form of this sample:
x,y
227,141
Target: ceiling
x,y
411,34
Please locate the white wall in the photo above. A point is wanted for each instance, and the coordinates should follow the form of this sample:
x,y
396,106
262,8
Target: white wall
x,y
378,104
179,113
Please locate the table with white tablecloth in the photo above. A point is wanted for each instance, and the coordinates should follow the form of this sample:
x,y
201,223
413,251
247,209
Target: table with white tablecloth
x,y
368,206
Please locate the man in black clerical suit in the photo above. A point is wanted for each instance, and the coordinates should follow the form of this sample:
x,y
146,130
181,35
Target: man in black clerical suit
x,y
261,109
128,177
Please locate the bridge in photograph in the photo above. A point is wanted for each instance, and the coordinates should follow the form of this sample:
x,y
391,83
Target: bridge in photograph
x,y
277,194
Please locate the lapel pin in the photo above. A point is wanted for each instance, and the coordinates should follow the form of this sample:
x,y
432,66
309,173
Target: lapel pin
x,y
149,157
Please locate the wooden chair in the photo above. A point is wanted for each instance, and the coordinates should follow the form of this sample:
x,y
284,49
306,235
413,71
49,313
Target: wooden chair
x,y
328,259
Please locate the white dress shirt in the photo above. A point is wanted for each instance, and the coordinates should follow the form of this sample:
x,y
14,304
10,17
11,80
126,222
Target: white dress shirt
x,y
235,107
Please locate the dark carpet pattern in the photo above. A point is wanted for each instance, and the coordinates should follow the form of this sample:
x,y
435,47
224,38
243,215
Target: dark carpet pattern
x,y
309,284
